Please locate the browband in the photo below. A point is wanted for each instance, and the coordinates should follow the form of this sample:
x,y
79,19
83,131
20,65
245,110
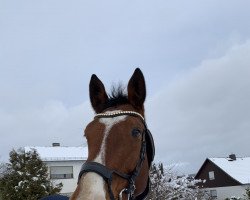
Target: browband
x,y
119,113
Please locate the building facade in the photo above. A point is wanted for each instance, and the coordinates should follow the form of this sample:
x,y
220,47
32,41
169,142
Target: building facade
x,y
64,164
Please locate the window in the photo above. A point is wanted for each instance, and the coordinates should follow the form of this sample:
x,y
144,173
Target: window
x,y
213,193
61,172
211,175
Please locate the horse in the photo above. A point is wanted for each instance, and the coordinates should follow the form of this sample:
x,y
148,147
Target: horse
x,y
120,146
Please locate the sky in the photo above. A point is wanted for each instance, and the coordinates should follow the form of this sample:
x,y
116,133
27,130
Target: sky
x,y
195,56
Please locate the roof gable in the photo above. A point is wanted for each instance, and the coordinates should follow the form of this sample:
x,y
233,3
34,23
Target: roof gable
x,y
221,178
60,153
238,169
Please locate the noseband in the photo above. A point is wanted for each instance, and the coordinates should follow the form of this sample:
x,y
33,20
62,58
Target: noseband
x,y
147,146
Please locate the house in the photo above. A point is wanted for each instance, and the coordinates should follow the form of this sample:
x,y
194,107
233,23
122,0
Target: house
x,y
64,164
225,177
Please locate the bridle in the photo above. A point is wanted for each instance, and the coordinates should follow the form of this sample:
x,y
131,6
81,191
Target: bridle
x,y
107,174
147,146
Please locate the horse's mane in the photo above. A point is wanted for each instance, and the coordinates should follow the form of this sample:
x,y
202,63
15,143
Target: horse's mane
x,y
117,97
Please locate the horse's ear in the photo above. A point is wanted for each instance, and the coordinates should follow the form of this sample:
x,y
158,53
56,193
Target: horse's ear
x,y
97,94
137,89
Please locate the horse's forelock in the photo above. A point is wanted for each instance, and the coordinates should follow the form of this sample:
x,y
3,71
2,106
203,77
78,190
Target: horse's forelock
x,y
117,97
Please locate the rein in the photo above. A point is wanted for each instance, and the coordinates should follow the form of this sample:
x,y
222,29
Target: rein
x,y
107,173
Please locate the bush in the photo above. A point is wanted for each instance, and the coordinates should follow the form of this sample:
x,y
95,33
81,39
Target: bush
x,y
26,177
167,185
247,195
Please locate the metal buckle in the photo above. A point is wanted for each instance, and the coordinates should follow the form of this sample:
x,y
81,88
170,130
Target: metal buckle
x,y
130,192
120,195
133,191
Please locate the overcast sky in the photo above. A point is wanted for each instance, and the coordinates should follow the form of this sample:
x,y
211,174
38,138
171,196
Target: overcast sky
x,y
195,56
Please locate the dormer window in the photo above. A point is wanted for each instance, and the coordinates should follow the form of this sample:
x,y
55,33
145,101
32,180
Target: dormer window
x,y
211,175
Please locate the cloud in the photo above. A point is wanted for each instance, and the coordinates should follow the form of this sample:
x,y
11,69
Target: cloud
x,y
41,126
205,112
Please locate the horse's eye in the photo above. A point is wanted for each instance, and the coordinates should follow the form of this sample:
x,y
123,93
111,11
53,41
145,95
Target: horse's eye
x,y
136,132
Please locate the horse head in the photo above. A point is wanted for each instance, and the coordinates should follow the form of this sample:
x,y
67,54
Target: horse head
x,y
120,145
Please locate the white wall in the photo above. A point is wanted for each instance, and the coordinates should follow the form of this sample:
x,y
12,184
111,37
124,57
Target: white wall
x,y
69,185
226,192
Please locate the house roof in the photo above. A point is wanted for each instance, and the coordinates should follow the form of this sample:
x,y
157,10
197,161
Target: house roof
x,y
238,169
60,153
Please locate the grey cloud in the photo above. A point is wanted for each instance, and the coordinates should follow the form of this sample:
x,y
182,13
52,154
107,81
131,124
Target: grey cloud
x,y
54,122
49,49
206,112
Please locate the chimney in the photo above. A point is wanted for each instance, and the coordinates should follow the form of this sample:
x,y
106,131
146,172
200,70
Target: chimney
x,y
232,157
55,144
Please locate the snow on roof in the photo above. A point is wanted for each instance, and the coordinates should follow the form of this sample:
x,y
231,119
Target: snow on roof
x,y
60,153
238,169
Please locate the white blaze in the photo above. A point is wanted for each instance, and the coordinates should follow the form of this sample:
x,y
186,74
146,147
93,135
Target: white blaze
x,y
92,185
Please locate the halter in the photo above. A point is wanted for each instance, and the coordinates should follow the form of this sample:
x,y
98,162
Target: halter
x,y
147,146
